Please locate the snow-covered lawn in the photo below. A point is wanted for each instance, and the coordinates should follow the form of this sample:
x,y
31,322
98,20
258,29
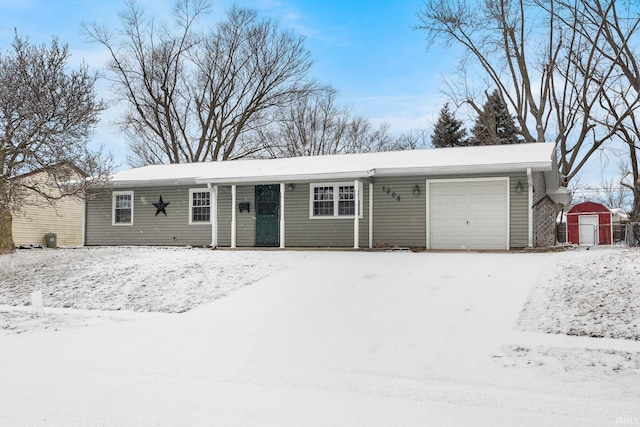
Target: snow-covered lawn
x,y
319,338
144,279
128,279
594,293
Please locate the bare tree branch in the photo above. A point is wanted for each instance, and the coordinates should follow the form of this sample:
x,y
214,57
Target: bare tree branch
x,y
47,115
197,95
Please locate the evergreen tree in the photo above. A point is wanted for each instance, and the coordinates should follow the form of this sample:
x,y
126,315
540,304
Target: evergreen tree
x,y
448,130
494,124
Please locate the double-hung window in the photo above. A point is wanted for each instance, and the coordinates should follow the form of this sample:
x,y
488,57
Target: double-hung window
x,y
334,200
199,206
322,201
122,208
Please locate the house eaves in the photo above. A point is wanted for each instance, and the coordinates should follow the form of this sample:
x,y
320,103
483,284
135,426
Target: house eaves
x,y
376,172
152,182
443,161
464,169
293,177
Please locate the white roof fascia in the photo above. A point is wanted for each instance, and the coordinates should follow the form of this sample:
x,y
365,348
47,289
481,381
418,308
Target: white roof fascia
x,y
153,182
447,170
287,177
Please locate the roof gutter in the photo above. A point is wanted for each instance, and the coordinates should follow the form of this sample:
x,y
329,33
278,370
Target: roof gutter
x,y
448,170
152,182
286,177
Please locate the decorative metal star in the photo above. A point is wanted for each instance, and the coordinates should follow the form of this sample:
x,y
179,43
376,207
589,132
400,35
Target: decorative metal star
x,y
160,207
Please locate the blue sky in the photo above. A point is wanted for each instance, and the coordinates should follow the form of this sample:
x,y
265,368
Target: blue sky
x,y
367,50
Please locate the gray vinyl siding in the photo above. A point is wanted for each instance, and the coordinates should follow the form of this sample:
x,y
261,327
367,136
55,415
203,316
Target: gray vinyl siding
x,y
403,223
399,222
147,228
396,222
303,231
519,212
246,221
224,216
539,186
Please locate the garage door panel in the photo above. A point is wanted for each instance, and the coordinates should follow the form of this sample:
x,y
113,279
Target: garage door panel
x,y
468,214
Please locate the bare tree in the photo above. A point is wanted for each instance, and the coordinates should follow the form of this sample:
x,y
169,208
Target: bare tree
x,y
47,115
538,57
413,139
613,195
147,71
619,104
196,95
315,124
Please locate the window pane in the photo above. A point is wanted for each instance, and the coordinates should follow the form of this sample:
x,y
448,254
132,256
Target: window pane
x,y
123,201
323,201
201,214
122,209
123,215
201,199
346,200
201,206
267,208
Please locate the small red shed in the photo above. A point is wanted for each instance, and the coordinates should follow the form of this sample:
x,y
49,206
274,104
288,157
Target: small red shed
x,y
589,224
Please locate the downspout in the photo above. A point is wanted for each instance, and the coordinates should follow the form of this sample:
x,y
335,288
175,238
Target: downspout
x,y
530,206
233,216
214,215
356,218
282,215
370,215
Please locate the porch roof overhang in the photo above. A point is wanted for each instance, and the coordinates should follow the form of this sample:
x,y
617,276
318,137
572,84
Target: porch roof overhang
x,y
248,179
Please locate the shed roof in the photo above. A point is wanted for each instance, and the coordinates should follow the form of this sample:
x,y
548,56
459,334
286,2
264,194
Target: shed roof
x,y
483,159
588,207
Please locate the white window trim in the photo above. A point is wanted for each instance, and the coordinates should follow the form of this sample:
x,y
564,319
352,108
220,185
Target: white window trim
x,y
200,190
336,196
113,207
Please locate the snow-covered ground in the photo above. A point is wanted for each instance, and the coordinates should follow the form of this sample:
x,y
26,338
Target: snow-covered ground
x,y
319,338
594,293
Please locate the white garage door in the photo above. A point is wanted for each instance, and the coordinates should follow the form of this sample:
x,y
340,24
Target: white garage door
x,y
468,214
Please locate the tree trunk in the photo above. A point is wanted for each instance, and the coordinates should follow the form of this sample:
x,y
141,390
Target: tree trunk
x,y
6,233
635,216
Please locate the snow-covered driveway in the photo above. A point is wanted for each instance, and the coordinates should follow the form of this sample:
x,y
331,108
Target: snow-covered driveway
x,y
337,338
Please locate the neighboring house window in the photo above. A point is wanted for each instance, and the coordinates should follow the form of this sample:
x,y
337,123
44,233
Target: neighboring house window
x,y
199,206
334,200
122,208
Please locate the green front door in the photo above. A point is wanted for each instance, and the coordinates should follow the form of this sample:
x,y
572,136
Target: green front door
x,y
267,221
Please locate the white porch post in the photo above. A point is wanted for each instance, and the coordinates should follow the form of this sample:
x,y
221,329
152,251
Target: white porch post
x,y
233,216
356,219
530,205
282,214
214,215
370,215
